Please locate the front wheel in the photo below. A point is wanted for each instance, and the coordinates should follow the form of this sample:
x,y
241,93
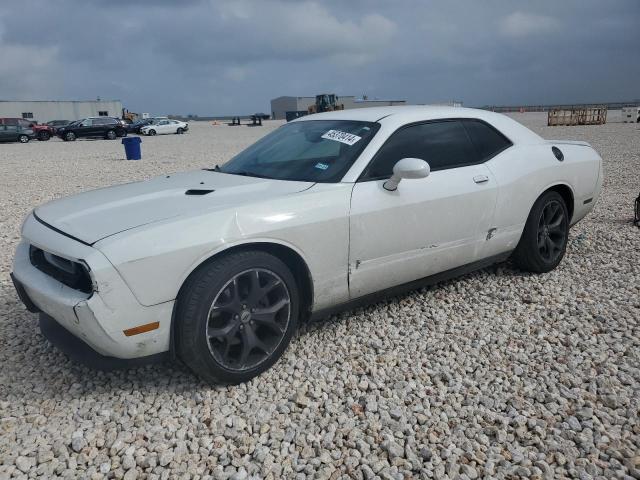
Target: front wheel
x,y
544,240
70,136
23,139
152,132
180,131
44,136
236,316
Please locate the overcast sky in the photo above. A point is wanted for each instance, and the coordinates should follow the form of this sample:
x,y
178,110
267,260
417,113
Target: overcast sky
x,y
226,57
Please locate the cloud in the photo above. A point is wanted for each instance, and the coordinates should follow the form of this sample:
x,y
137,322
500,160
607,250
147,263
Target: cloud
x,y
25,69
248,31
233,56
520,24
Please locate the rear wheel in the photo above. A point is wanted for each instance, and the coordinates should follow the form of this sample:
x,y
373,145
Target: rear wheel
x,y
69,136
23,139
44,136
544,240
111,135
236,316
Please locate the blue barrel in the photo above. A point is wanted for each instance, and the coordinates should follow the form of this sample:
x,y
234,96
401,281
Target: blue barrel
x,y
132,148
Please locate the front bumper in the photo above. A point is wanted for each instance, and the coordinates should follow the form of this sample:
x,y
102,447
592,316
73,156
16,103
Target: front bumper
x,y
81,352
98,318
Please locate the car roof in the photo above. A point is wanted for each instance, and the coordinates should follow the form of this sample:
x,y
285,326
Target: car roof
x,y
397,116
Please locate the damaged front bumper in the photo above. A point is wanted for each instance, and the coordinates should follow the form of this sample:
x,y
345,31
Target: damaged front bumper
x,y
98,318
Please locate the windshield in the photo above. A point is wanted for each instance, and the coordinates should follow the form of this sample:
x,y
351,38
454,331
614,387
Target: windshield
x,y
309,151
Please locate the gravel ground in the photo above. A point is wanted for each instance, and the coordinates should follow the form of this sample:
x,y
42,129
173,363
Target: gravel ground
x,y
498,374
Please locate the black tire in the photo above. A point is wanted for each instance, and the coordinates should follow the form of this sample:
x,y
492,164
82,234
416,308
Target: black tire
x,y
180,131
212,337
111,135
152,132
544,239
23,139
44,136
70,137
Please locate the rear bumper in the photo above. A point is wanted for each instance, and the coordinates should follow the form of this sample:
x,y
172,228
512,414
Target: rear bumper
x,y
98,319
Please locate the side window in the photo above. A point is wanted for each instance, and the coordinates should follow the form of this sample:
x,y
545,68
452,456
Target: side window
x,y
86,122
486,139
441,144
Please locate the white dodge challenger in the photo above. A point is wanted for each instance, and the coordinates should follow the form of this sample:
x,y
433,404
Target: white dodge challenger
x,y
219,266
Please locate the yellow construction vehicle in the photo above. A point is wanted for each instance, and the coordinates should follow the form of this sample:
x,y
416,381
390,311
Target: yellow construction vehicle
x,y
326,102
128,116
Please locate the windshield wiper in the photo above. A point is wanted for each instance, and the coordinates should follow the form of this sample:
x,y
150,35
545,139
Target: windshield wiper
x,y
245,173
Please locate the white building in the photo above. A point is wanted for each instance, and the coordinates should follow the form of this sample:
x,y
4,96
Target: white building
x,y
46,110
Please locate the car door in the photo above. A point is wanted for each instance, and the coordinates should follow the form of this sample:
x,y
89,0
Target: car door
x,y
3,133
11,133
85,128
427,225
164,127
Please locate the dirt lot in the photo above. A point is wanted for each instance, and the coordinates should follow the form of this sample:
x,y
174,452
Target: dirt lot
x,y
498,373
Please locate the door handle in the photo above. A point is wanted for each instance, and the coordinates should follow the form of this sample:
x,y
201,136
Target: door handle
x,y
481,179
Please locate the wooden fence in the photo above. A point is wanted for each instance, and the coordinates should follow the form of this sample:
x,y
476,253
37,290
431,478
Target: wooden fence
x,y
577,115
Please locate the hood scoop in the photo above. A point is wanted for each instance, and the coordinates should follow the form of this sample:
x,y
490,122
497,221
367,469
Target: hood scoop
x,y
196,191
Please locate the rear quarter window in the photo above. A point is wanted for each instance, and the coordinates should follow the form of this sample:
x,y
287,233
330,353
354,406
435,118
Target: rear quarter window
x,y
488,141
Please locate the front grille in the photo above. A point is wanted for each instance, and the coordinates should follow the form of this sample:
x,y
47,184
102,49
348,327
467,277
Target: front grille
x,y
72,274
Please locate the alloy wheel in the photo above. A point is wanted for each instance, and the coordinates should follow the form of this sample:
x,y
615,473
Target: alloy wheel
x,y
552,231
248,319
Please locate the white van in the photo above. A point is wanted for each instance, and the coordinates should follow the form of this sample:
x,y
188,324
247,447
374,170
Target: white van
x,y
631,114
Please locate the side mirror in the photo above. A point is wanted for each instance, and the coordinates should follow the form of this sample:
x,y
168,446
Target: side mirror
x,y
407,168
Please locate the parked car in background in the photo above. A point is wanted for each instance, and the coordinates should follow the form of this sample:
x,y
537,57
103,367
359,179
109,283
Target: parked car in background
x,y
93,127
136,125
334,209
55,124
165,127
16,133
42,132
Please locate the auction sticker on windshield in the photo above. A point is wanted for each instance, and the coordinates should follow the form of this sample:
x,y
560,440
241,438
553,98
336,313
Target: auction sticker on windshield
x,y
342,137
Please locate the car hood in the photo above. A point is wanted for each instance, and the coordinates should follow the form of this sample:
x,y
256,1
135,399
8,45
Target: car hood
x,y
94,215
